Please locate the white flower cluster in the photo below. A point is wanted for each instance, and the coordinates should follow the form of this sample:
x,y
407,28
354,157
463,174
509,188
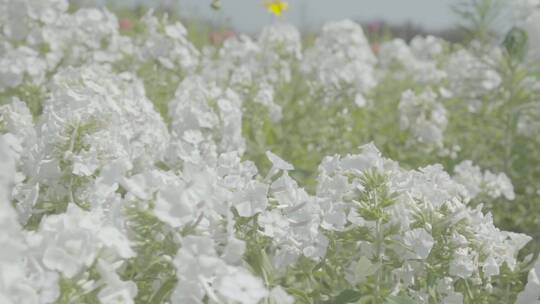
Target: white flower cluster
x,y
206,122
424,116
471,76
167,43
255,68
476,182
341,44
104,200
419,60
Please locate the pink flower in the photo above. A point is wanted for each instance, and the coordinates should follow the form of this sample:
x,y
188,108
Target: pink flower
x,y
125,24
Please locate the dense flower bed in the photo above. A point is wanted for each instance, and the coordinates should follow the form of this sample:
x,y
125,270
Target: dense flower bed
x,y
138,168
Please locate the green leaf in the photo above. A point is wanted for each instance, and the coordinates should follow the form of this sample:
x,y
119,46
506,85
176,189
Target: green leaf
x,y
515,43
346,296
399,300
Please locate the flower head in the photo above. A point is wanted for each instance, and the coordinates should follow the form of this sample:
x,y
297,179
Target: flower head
x,y
276,7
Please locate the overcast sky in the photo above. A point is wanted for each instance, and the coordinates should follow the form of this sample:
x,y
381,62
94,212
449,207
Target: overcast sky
x,y
249,15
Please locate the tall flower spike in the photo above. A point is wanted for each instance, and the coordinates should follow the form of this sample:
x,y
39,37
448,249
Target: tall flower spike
x,y
276,7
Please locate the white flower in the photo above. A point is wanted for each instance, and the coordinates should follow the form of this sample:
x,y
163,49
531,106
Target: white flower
x,y
531,293
115,291
462,264
252,199
68,249
274,225
280,296
427,47
234,251
197,268
206,122
72,241
497,185
112,238
470,76
360,100
167,43
469,176
419,241
476,182
173,207
490,268
241,287
278,163
417,61
341,61
424,116
282,39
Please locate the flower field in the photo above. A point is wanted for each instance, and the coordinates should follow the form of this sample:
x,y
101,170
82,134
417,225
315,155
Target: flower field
x,y
137,166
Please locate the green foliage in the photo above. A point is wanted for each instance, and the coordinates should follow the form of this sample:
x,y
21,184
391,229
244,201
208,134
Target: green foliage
x,y
515,43
152,269
310,130
32,95
479,19
43,208
72,292
74,144
160,85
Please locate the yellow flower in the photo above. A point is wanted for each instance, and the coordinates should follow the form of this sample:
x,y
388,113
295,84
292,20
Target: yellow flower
x,y
276,7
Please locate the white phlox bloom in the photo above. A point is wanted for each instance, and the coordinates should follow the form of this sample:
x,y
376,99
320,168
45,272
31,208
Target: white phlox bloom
x,y
463,263
20,20
201,272
424,116
471,77
281,47
115,291
19,63
21,279
254,68
115,105
341,61
418,60
293,224
17,122
91,118
236,65
531,293
239,286
420,241
71,242
477,182
206,121
429,191
167,43
88,35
